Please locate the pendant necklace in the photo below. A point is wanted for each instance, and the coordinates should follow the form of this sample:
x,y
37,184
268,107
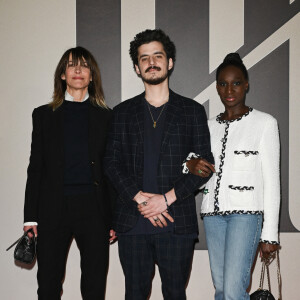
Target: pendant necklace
x,y
155,121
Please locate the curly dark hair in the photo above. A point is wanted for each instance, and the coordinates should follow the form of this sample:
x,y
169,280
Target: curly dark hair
x,y
233,59
148,36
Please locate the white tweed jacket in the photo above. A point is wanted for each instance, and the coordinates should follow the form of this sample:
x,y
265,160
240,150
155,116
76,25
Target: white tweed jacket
x,y
247,178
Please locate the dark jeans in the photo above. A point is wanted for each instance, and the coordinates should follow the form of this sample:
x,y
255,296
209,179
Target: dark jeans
x,y
173,255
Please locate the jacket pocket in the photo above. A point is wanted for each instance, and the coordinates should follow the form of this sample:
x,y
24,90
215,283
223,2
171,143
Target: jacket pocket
x,y
240,196
245,160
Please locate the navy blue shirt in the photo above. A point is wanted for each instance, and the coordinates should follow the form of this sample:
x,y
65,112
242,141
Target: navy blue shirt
x,y
152,145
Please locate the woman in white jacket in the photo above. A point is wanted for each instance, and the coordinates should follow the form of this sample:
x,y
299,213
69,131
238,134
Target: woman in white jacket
x,y
241,200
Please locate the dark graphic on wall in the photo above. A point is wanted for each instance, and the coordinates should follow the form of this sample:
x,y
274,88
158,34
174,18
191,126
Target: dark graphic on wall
x,y
99,29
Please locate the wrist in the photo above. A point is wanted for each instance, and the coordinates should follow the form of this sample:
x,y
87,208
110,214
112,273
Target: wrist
x,y
171,197
139,198
188,164
166,201
30,224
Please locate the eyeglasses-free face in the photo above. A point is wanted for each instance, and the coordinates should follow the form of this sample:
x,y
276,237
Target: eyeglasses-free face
x,y
232,87
77,76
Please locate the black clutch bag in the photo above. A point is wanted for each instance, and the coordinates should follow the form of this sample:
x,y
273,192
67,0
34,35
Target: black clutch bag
x,y
265,294
25,250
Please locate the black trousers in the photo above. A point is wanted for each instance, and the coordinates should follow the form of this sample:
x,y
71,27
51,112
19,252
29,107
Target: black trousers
x,y
80,221
173,255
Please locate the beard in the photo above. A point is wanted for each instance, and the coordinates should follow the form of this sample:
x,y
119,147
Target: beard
x,y
156,80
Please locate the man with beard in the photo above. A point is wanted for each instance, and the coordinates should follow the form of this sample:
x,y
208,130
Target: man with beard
x,y
155,214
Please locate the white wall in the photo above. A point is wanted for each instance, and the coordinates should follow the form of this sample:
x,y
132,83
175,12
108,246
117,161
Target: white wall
x,y
33,36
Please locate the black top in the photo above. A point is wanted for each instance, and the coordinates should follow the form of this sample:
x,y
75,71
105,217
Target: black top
x,y
77,169
152,146
44,195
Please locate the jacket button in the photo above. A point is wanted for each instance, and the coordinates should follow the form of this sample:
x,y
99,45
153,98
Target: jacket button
x,y
96,183
92,162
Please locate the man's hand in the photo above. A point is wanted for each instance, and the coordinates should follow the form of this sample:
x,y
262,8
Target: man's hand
x,y
160,220
154,206
140,197
200,167
156,211
34,228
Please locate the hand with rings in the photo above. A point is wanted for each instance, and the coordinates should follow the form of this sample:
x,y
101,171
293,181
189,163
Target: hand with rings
x,y
156,204
200,167
160,220
153,207
141,199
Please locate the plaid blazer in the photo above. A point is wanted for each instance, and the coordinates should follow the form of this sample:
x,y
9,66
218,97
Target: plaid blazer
x,y
185,131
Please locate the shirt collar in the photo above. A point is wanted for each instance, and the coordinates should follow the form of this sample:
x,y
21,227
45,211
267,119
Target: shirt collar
x,y
68,97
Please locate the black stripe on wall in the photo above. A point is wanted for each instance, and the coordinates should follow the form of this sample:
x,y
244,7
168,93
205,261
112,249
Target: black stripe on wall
x,y
261,23
98,28
187,24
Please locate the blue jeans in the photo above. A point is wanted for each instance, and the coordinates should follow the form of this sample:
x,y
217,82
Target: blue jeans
x,y
232,242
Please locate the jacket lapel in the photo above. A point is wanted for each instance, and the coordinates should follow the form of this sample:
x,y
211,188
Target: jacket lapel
x,y
137,126
172,116
138,117
58,135
92,132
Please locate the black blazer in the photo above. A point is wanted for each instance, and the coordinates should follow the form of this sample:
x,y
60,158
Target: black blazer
x,y
185,131
44,187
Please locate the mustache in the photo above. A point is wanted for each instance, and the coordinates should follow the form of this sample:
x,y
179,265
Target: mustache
x,y
153,67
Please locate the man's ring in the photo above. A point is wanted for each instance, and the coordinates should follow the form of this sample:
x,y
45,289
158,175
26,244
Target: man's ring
x,y
156,219
144,203
200,171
